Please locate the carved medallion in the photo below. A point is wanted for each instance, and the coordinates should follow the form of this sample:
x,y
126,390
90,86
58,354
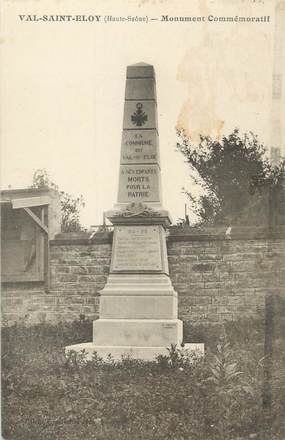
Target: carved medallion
x,y
139,117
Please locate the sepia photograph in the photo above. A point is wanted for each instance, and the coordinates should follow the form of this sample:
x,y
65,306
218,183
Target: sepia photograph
x,y
142,219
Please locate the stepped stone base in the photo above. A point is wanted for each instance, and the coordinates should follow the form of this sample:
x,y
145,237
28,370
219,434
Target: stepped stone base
x,y
137,332
138,297
137,310
138,307
138,318
134,352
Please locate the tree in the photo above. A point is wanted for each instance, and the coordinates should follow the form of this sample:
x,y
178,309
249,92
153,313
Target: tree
x,y
238,181
70,205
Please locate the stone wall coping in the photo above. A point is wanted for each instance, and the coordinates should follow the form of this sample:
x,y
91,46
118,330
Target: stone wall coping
x,y
80,241
226,233
177,233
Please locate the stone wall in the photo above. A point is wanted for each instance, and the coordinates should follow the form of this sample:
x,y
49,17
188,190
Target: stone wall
x,y
78,271
218,276
221,280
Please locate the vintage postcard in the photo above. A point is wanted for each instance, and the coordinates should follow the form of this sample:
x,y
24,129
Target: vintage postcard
x,y
143,219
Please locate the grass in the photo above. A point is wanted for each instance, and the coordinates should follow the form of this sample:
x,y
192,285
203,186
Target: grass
x,y
46,396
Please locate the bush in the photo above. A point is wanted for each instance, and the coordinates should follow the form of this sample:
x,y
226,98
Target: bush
x,y
47,395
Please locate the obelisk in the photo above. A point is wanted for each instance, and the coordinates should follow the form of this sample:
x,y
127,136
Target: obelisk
x,y
139,179
138,305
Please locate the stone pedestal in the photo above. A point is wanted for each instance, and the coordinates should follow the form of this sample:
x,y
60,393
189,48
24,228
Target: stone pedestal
x,y
138,297
138,305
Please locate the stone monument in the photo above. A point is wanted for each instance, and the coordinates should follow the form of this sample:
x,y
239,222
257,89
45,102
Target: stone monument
x,y
138,305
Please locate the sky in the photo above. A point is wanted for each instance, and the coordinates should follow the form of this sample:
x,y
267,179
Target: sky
x,y
62,88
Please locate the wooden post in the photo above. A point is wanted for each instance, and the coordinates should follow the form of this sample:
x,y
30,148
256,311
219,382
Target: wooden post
x,y
268,351
44,212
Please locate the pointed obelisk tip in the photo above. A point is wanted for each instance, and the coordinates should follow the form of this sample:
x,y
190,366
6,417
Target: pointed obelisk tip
x,y
140,70
140,64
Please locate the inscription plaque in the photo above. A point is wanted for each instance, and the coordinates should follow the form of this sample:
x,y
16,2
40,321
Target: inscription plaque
x,y
137,248
139,146
139,183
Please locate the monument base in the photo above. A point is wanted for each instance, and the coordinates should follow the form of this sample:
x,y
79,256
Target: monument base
x,y
137,332
138,296
118,353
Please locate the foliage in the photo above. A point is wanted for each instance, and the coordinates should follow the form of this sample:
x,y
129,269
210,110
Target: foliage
x,y
237,179
70,205
47,395
178,358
